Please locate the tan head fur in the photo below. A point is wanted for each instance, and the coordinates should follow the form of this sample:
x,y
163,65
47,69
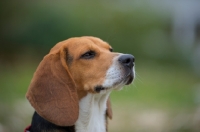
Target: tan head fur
x,y
65,75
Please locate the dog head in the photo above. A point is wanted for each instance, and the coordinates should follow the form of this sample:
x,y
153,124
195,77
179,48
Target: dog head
x,y
73,68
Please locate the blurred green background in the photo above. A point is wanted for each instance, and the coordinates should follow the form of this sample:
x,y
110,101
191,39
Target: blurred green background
x,y
164,37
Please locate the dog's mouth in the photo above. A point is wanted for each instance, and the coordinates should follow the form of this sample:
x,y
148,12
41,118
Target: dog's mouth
x,y
129,79
99,88
126,80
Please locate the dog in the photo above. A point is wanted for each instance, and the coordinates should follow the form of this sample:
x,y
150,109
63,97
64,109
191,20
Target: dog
x,y
71,86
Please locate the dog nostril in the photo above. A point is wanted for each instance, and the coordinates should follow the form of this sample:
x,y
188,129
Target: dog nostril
x,y
127,60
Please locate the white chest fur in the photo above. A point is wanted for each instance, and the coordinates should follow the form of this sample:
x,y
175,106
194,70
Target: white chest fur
x,y
92,110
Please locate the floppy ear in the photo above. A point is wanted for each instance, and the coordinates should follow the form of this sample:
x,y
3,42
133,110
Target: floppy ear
x,y
109,109
52,91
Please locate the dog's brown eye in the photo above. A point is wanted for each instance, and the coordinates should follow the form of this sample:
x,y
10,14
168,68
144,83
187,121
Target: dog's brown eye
x,y
111,50
88,55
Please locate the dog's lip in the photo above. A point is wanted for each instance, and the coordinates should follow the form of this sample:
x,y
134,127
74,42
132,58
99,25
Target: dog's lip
x,y
99,88
126,80
130,78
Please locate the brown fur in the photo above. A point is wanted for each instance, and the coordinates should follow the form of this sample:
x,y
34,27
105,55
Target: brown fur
x,y
63,78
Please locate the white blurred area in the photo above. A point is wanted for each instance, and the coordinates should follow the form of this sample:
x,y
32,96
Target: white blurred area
x,y
185,23
186,29
183,17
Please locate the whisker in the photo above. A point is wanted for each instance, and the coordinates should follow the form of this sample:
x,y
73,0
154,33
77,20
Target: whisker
x,y
139,77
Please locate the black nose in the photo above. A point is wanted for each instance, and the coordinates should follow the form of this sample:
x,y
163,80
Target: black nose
x,y
127,60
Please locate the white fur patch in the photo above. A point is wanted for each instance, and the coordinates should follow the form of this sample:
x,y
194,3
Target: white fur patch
x,y
92,107
114,76
92,110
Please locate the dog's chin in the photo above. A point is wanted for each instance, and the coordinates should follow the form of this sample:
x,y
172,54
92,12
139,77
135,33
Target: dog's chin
x,y
129,79
126,81
117,85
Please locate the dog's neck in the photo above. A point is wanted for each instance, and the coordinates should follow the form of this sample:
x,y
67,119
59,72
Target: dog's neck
x,y
92,110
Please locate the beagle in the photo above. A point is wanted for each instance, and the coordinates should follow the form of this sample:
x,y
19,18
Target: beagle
x,y
71,86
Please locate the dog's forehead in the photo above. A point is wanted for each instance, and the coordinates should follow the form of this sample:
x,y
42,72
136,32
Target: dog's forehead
x,y
87,43
81,43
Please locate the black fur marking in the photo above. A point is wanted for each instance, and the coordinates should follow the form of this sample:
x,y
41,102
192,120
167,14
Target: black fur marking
x,y
99,88
39,124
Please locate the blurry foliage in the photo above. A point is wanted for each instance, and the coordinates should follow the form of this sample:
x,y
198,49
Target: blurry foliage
x,y
38,25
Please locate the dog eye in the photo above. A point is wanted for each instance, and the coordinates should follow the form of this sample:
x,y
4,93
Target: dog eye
x,y
111,50
88,55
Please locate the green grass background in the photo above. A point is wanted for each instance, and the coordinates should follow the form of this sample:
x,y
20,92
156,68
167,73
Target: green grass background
x,y
157,87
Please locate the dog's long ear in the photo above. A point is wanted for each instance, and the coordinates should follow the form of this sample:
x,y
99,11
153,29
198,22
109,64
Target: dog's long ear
x,y
52,91
109,109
